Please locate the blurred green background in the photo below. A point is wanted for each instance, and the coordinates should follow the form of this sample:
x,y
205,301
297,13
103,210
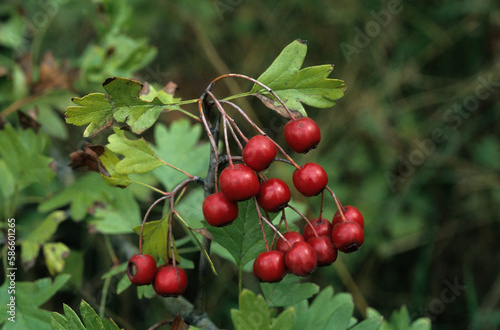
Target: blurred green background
x,y
414,143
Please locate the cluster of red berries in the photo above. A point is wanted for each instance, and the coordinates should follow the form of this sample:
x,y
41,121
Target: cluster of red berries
x,y
317,246
239,182
168,280
295,252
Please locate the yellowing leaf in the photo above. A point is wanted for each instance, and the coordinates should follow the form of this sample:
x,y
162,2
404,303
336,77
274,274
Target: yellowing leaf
x,y
54,254
94,109
123,104
138,155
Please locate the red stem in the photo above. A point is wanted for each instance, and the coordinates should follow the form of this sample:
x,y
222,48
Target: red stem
x,y
261,132
145,218
304,217
337,202
255,81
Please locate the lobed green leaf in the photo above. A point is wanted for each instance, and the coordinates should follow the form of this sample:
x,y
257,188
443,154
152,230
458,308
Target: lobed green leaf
x,y
295,86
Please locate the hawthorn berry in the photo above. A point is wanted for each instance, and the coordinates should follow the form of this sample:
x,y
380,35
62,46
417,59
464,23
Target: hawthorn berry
x,y
348,236
239,182
302,134
259,153
170,281
141,269
301,260
218,210
269,266
273,195
325,251
310,179
351,214
322,226
291,237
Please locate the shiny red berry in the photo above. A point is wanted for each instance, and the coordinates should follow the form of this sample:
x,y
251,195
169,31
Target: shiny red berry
x,y
141,269
239,182
301,260
348,236
291,237
310,179
218,210
325,251
302,134
351,214
273,195
322,226
269,266
170,281
259,152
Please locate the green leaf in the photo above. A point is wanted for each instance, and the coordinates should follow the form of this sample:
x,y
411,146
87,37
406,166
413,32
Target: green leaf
x,y
327,311
90,317
138,155
288,291
128,56
93,109
115,210
123,284
423,323
155,239
253,313
373,323
123,103
54,254
119,216
91,320
81,196
129,108
31,244
310,86
284,320
115,270
109,161
23,163
109,324
29,297
193,158
400,319
73,319
58,321
243,238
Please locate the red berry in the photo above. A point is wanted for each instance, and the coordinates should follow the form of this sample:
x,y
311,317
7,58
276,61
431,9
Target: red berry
x,y
292,237
259,152
348,236
273,195
310,179
269,266
170,281
302,134
301,260
239,183
322,226
218,210
325,251
351,214
141,269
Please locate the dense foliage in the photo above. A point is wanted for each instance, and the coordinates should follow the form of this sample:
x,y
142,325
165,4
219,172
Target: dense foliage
x,y
412,144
